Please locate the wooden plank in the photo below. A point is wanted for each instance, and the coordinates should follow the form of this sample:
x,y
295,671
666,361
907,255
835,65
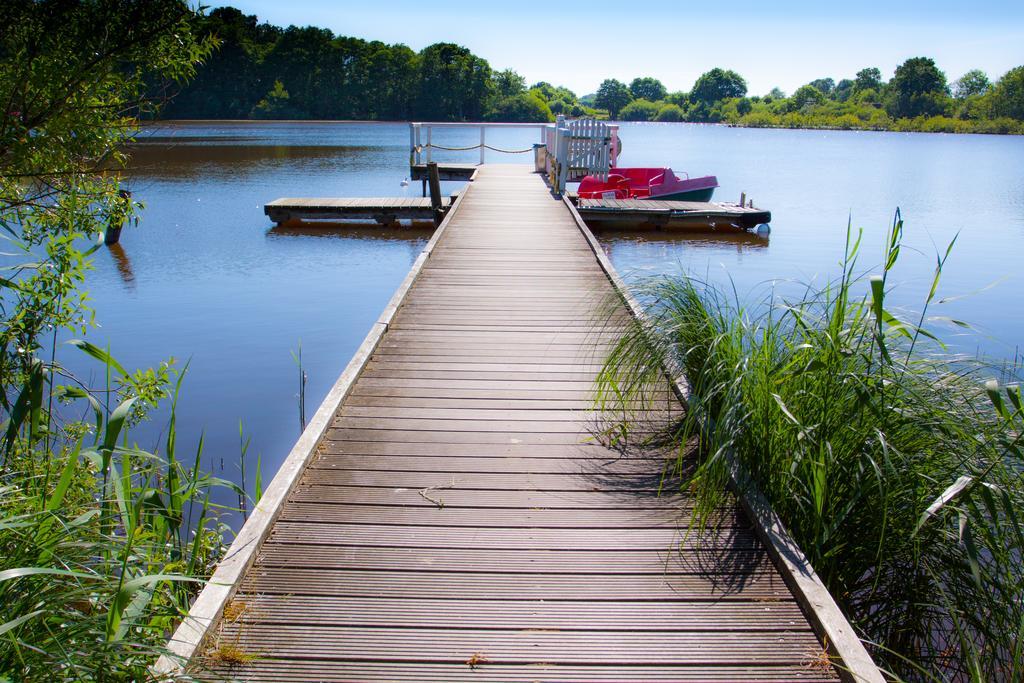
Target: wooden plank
x,y
503,538
757,583
493,517
271,670
523,646
568,615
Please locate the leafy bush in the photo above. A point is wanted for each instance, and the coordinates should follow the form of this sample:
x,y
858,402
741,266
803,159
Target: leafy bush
x,y
639,110
522,108
670,113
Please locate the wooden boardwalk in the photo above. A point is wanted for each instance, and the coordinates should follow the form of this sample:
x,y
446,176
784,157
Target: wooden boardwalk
x,y
456,523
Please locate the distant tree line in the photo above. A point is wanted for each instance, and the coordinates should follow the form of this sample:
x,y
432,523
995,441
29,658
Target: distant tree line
x,y
269,72
917,97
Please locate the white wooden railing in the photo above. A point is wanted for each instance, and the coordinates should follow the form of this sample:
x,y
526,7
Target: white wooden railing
x,y
579,148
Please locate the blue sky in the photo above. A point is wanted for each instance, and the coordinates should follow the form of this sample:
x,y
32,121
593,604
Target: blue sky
x,y
785,44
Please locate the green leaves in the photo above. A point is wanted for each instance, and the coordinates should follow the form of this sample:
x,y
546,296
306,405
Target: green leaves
x,y
129,601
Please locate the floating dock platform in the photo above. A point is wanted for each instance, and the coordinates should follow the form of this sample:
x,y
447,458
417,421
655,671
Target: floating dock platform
x,y
448,514
384,210
658,214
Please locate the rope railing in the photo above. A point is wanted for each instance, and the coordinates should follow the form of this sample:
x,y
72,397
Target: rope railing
x,y
420,148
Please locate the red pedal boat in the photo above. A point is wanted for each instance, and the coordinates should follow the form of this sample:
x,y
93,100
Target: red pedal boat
x,y
648,183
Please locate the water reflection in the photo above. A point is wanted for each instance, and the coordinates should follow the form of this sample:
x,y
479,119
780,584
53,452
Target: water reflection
x,y
415,232
696,239
193,161
123,265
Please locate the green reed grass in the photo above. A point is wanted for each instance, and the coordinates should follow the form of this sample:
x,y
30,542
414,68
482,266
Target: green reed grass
x,y
894,464
102,544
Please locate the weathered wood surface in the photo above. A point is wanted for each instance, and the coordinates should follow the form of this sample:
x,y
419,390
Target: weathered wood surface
x,y
458,522
382,209
668,214
446,171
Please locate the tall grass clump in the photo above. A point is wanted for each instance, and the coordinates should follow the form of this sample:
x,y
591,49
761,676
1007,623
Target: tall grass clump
x,y
102,543
895,464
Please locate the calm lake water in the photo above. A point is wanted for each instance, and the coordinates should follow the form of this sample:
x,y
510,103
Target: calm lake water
x,y
206,279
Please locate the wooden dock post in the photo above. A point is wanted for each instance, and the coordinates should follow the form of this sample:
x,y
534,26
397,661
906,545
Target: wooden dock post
x,y
435,192
112,235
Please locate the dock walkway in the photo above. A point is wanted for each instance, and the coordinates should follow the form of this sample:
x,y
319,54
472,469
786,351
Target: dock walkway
x,y
456,523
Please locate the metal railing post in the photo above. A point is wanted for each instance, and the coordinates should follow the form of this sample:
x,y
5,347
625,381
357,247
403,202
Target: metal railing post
x,y
430,130
483,130
562,139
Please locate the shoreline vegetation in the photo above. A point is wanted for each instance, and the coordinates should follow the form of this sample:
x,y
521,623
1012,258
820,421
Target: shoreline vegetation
x,y
103,543
262,71
895,465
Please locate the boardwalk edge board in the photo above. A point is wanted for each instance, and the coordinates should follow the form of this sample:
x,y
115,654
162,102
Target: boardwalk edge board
x,y
208,607
854,663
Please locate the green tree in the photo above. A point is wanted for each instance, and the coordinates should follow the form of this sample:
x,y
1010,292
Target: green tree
x,y
612,95
843,90
1008,94
453,83
823,85
805,95
507,83
647,88
231,80
391,82
868,79
550,93
917,88
275,105
74,77
972,83
718,84
678,98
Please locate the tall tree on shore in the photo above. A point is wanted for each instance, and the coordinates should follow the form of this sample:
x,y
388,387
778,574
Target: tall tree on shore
x,y
972,83
869,78
453,83
823,85
716,85
231,79
1008,94
647,88
613,95
918,88
507,83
